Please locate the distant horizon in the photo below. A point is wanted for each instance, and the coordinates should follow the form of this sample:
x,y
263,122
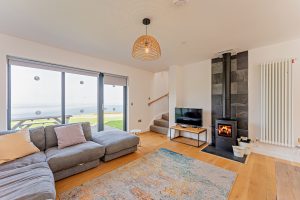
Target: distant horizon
x,y
18,112
58,105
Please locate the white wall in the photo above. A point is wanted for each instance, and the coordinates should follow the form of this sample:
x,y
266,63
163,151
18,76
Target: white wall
x,y
190,86
290,49
159,87
139,80
175,91
196,90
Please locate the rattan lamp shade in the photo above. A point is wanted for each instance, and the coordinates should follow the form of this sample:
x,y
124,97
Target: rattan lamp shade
x,y
146,48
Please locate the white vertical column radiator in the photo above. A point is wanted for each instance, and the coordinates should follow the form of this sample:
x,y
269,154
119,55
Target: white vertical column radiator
x,y
276,103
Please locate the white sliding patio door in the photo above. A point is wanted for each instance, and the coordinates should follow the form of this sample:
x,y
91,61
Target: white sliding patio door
x,y
115,102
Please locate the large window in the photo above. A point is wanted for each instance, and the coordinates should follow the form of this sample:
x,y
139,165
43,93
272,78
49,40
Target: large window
x,y
35,97
41,94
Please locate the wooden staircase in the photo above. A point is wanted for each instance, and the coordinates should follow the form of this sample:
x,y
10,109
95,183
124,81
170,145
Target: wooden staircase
x,y
161,125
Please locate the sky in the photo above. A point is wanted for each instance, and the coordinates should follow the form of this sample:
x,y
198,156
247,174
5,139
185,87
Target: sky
x,y
39,87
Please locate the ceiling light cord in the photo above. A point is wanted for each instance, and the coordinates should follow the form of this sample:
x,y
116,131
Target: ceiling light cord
x,y
146,29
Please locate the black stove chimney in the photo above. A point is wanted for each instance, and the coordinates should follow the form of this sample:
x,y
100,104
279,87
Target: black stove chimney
x,y
227,85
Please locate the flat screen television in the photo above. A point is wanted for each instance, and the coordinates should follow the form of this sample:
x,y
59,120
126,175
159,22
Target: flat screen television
x,y
188,116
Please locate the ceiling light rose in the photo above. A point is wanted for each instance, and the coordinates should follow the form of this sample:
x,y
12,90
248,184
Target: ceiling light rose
x,y
146,46
180,2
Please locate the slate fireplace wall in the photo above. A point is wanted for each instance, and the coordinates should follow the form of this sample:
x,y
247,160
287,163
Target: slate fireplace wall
x,y
239,92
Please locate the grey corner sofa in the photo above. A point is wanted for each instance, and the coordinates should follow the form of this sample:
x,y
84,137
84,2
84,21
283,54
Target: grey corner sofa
x,y
33,176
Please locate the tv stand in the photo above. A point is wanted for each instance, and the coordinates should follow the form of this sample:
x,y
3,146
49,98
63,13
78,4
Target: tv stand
x,y
184,140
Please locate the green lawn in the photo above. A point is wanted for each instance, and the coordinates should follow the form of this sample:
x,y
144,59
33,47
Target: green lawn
x,y
115,124
114,120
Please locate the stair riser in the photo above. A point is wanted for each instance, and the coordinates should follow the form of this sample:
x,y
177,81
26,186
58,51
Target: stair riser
x,y
158,129
163,123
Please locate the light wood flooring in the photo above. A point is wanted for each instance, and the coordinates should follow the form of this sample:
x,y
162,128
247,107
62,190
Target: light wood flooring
x,y
256,179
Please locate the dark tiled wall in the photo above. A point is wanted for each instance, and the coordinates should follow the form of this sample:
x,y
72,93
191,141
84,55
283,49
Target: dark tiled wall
x,y
239,91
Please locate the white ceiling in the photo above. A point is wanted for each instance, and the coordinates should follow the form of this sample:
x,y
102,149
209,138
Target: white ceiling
x,y
187,34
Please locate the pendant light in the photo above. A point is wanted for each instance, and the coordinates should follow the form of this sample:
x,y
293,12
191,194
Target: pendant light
x,y
146,46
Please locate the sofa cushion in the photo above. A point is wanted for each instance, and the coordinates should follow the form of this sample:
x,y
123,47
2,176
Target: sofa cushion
x,y
16,145
60,159
115,140
86,127
69,135
23,162
34,182
37,136
51,139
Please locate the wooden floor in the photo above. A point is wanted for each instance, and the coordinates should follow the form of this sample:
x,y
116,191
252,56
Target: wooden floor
x,y
288,181
256,179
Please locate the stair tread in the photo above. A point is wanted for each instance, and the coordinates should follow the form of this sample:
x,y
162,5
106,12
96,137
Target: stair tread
x,y
164,120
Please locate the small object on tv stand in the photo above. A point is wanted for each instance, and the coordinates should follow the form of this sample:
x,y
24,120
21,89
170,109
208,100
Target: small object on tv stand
x,y
183,125
187,126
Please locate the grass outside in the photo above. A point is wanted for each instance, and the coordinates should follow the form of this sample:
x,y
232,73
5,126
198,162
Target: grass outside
x,y
114,120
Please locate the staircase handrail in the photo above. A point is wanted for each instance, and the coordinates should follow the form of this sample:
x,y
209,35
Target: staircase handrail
x,y
159,98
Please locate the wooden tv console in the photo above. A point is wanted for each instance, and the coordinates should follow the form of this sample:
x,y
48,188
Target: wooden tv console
x,y
185,140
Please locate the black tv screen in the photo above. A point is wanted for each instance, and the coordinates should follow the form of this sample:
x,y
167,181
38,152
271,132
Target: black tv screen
x,y
188,116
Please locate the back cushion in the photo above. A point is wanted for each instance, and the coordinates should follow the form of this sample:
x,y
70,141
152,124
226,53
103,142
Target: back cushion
x,y
86,127
21,140
37,137
69,135
51,139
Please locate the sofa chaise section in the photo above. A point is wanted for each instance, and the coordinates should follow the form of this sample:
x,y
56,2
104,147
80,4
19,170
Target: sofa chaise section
x,y
117,143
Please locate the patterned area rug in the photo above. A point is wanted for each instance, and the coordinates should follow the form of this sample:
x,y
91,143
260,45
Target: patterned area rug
x,y
162,174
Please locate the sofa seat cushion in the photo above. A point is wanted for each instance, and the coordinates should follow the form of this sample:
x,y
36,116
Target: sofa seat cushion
x,y
115,140
60,159
33,182
24,161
